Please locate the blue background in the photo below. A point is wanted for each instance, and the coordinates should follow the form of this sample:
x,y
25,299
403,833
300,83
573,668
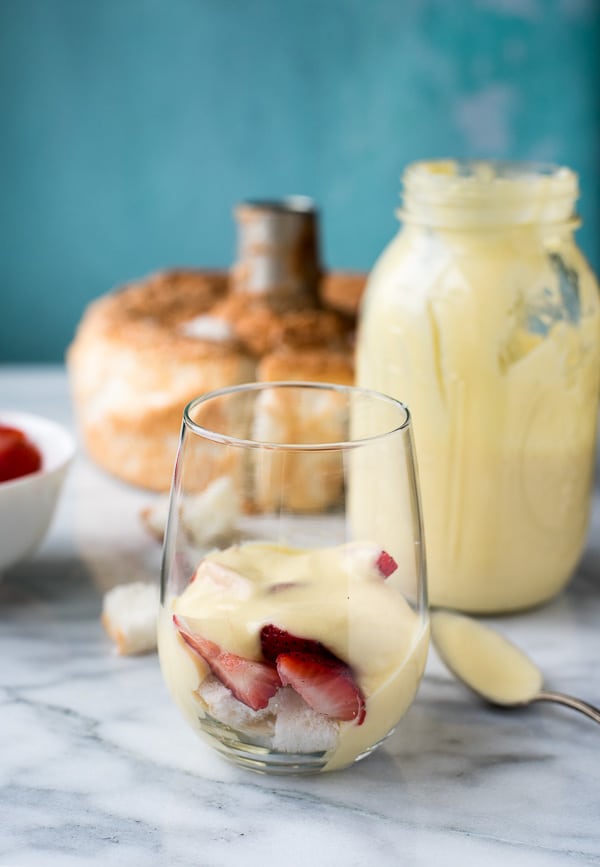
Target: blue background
x,y
130,128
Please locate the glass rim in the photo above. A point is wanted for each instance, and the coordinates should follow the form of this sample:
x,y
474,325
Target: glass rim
x,y
249,387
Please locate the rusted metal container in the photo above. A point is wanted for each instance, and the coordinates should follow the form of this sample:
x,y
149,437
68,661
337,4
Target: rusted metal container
x,y
278,256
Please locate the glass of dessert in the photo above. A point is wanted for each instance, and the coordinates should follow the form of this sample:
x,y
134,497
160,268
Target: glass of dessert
x,y
293,629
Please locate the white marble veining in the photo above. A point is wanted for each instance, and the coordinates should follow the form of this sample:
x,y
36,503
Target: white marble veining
x,y
97,766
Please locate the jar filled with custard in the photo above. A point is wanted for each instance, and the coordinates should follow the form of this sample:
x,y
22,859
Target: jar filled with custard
x,y
483,316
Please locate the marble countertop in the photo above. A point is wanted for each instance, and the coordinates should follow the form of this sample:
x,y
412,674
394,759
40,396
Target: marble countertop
x,y
98,767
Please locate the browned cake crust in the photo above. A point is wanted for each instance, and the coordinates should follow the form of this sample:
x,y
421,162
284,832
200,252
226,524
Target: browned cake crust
x,y
308,365
147,312
143,351
132,370
343,290
260,329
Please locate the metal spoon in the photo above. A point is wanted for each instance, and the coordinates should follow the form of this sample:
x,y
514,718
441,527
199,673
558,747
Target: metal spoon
x,y
492,667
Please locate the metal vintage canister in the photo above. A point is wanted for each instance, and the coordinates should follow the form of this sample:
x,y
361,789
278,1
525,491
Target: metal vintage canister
x,y
278,256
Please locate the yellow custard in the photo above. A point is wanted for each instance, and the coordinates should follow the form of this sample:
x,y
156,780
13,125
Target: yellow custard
x,y
484,318
334,596
484,660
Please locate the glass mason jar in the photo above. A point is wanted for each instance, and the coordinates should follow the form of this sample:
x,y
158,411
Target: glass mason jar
x,y
483,316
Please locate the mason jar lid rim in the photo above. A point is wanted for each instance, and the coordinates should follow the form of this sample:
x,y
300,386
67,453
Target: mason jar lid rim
x,y
509,170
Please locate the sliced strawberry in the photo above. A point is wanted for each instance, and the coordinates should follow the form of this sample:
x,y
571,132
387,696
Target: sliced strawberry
x,y
283,585
253,683
18,456
9,435
386,564
275,641
326,685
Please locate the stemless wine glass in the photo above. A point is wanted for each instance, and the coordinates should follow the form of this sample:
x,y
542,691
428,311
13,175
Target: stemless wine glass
x,y
293,629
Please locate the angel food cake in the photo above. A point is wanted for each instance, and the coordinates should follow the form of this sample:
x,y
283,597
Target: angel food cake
x,y
143,351
293,653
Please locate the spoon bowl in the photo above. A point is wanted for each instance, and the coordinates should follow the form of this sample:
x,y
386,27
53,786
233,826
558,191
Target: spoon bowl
x,y
492,667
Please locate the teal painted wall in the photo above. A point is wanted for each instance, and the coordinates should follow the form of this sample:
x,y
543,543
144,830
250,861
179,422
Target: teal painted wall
x,y
130,128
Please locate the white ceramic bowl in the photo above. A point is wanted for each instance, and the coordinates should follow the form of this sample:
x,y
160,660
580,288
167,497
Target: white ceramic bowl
x,y
27,504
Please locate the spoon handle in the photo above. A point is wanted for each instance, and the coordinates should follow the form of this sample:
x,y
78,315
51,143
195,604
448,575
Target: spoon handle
x,y
569,701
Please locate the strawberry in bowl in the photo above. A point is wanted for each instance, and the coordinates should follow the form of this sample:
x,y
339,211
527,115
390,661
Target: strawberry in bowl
x,y
35,454
18,455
